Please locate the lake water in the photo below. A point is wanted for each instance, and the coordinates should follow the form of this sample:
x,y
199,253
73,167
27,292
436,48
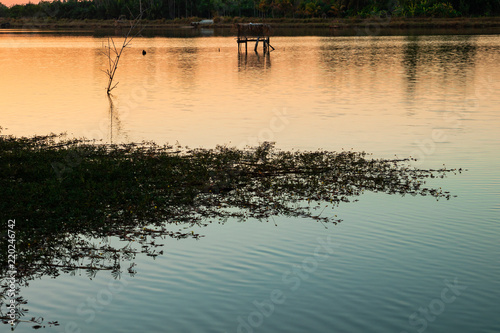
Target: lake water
x,y
395,264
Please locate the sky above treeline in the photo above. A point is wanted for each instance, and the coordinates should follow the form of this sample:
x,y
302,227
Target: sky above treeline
x,y
10,3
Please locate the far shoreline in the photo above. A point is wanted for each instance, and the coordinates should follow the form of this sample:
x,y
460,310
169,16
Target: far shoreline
x,y
336,26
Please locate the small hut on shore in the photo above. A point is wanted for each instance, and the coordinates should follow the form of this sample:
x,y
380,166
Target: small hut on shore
x,y
254,32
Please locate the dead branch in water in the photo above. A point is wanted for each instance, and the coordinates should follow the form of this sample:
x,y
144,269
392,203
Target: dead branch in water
x,y
113,53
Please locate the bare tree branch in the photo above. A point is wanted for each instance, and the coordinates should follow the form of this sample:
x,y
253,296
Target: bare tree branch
x,y
113,53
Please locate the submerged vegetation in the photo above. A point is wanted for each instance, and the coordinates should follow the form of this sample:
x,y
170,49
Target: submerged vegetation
x,y
66,194
54,186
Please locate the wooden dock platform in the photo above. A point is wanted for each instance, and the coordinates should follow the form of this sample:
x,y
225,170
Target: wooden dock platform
x,y
254,32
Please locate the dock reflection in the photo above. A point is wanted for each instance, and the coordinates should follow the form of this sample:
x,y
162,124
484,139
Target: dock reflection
x,y
253,60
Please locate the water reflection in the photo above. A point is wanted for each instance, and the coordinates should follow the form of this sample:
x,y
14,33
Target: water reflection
x,y
446,63
206,32
410,57
115,125
253,60
451,55
410,61
186,89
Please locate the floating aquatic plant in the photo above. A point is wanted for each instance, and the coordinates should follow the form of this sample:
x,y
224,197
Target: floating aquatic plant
x,y
66,194
55,187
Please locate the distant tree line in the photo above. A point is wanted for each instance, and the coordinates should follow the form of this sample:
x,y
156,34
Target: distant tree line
x,y
172,9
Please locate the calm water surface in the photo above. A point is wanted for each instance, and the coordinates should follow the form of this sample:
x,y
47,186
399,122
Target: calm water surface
x,y
396,264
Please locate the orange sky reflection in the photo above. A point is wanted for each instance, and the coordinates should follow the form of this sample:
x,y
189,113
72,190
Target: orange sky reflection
x,y
372,94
